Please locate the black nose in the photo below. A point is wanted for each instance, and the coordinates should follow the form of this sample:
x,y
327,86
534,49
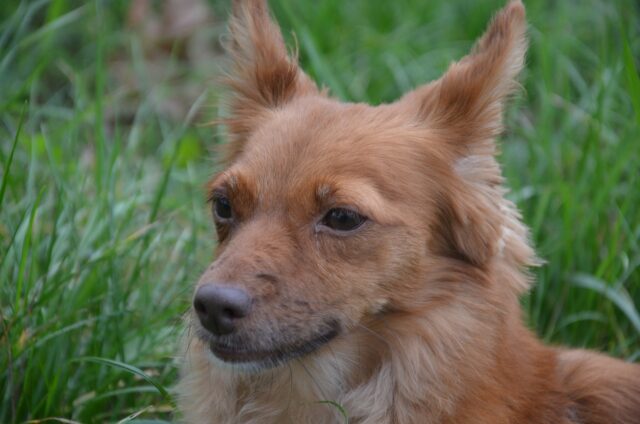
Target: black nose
x,y
220,307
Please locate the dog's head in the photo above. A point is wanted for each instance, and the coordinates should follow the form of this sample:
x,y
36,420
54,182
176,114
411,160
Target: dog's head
x,y
331,213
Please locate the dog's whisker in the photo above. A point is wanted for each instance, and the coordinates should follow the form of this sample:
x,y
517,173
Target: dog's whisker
x,y
312,378
290,386
374,333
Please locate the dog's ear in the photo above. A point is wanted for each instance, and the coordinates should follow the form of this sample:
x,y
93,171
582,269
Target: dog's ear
x,y
464,109
263,76
467,103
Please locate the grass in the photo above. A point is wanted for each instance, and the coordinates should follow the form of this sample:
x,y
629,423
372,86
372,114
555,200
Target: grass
x,y
103,224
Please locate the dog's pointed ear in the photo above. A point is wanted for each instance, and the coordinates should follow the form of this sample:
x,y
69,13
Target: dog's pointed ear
x,y
464,109
263,76
468,101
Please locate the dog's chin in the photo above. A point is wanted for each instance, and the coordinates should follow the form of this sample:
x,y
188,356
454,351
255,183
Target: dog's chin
x,y
246,359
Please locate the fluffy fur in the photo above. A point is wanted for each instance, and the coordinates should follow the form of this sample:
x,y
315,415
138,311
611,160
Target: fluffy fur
x,y
424,295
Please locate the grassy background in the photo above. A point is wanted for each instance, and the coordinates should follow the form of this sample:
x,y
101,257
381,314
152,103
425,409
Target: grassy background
x,y
103,224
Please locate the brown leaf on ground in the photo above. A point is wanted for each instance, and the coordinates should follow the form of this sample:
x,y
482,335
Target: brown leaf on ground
x,y
173,57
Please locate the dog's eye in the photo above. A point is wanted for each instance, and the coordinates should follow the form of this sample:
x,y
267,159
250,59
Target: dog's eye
x,y
222,208
341,219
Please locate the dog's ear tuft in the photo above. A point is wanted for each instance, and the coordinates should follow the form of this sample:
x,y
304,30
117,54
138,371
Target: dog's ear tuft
x,y
263,75
466,104
467,228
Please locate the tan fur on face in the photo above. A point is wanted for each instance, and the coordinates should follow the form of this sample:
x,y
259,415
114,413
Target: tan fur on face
x,y
425,294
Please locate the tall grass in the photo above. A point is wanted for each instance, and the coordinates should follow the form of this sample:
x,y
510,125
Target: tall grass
x,y
103,227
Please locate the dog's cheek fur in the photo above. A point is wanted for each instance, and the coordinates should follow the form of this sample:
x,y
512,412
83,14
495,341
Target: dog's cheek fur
x,y
365,272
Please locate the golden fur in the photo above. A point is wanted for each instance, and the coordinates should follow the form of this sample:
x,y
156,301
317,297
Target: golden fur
x,y
424,295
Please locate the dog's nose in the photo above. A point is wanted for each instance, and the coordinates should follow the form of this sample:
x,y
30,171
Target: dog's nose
x,y
220,307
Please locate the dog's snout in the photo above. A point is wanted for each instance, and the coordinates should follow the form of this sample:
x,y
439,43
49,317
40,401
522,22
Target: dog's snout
x,y
219,308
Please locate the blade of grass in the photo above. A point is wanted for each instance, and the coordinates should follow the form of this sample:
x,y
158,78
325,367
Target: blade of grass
x,y
633,80
7,165
133,416
26,251
618,297
129,368
339,407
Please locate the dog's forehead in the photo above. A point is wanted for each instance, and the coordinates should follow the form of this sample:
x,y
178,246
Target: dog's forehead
x,y
320,139
352,154
311,125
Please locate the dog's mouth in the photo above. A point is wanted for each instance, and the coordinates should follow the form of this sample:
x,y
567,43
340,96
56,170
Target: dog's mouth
x,y
272,357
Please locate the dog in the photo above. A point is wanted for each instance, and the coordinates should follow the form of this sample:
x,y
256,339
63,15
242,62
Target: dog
x,y
369,265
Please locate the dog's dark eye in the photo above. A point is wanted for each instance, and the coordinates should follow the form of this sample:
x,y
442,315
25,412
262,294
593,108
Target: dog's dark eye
x,y
222,208
341,219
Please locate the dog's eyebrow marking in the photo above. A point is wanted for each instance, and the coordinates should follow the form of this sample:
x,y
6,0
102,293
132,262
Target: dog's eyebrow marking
x,y
323,192
232,182
222,183
215,182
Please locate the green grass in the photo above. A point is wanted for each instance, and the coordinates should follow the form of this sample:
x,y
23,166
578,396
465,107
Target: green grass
x,y
103,224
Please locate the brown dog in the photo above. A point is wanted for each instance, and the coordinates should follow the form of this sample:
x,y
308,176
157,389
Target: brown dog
x,y
369,264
